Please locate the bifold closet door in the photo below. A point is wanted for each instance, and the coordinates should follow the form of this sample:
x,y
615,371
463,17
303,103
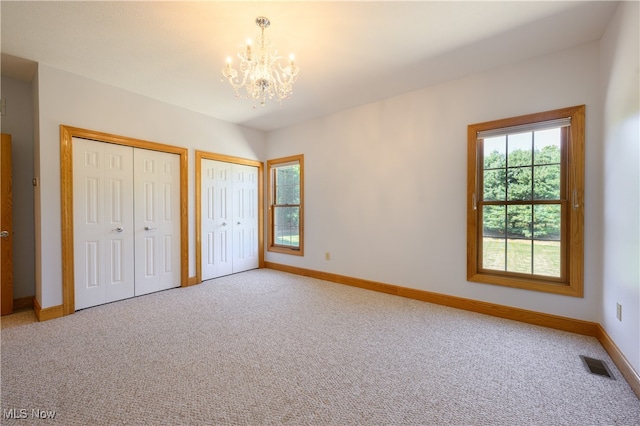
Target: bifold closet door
x,y
229,218
103,222
216,216
157,219
126,205
245,217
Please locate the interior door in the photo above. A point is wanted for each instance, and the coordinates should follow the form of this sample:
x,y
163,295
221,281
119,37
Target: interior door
x,y
245,218
6,227
217,218
103,222
157,220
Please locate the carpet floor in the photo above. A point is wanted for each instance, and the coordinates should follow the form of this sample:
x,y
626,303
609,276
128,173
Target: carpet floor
x,y
268,348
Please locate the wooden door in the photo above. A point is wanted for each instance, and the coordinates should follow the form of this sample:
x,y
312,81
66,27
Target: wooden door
x,y
6,226
103,222
157,220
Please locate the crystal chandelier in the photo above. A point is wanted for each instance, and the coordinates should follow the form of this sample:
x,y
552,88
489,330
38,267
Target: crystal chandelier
x,y
262,73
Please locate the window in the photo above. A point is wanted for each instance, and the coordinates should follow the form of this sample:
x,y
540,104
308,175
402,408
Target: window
x,y
525,211
286,194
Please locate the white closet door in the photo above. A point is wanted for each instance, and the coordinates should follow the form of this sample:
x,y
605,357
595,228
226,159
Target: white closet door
x,y
216,217
245,218
157,220
103,223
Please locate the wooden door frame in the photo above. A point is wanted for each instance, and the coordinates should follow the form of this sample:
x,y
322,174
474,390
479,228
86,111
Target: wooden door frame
x,y
203,155
67,133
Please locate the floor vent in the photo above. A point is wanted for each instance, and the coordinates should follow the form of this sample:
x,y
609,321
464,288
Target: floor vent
x,y
596,366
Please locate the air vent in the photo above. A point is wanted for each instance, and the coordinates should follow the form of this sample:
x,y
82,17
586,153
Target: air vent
x,y
596,366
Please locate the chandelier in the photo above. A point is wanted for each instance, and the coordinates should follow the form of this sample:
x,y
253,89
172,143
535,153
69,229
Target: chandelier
x,y
262,74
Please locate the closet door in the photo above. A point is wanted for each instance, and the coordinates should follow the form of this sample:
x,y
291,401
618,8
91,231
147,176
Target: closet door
x,y
245,218
157,220
103,222
216,216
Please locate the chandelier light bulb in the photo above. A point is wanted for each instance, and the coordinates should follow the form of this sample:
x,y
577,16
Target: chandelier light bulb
x,y
263,74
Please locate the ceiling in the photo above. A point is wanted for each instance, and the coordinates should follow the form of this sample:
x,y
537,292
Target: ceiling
x,y
350,53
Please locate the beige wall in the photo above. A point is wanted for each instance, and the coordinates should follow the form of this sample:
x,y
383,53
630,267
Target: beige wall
x,y
385,183
620,52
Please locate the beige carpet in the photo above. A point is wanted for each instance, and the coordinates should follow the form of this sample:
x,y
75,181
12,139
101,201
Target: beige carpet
x,y
268,348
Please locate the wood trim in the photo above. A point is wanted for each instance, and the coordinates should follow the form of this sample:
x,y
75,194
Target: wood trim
x,y
192,281
574,235
270,244
200,155
49,313
571,325
66,191
23,303
624,366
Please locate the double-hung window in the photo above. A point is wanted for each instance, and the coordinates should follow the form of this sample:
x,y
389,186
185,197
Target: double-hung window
x,y
286,195
525,206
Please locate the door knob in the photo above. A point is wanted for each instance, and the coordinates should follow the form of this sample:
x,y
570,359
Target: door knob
x,y
238,223
149,228
224,223
4,234
119,229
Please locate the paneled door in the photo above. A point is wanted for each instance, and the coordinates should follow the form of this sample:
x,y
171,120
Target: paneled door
x,y
229,217
157,219
245,217
6,226
103,222
217,218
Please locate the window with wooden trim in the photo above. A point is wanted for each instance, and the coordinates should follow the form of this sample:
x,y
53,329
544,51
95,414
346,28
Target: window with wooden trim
x,y
525,202
286,204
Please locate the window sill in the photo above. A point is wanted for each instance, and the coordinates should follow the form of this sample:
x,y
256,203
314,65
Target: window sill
x,y
285,250
527,284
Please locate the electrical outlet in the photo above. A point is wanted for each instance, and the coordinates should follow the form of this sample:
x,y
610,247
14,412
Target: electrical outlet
x,y
619,311
327,256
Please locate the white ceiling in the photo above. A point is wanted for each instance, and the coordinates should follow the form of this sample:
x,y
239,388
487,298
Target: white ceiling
x,y
350,53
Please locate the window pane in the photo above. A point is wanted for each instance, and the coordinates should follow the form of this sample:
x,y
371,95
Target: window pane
x,y
520,146
519,256
547,146
495,152
287,228
546,222
287,189
493,253
519,220
519,186
281,196
546,258
546,182
493,221
495,185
